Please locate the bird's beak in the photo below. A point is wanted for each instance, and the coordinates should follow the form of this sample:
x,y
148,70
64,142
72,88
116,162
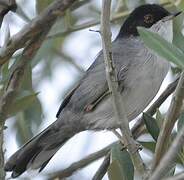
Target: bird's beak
x,y
176,14
173,15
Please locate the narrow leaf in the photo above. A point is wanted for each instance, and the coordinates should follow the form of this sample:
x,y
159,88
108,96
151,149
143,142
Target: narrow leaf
x,y
151,126
162,47
21,103
148,145
121,167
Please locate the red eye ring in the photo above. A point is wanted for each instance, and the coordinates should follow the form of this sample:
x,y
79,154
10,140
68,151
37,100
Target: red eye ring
x,y
148,18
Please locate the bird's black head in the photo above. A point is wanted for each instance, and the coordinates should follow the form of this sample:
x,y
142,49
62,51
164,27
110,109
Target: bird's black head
x,y
145,15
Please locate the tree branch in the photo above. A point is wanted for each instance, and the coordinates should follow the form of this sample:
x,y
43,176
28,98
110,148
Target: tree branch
x,y
31,30
115,17
179,176
103,168
118,105
56,8
81,164
171,117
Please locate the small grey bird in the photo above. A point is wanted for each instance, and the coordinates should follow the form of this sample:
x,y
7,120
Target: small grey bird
x,y
88,106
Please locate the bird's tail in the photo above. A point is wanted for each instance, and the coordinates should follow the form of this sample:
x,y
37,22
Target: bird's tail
x,y
36,153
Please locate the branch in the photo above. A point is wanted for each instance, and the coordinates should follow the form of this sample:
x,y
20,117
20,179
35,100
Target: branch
x,y
179,176
171,117
81,164
28,54
115,17
103,168
118,105
169,158
36,26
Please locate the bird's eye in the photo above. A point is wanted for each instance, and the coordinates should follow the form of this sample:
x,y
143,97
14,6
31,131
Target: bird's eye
x,y
148,18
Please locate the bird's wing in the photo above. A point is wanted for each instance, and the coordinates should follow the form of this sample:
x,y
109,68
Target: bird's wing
x,y
93,87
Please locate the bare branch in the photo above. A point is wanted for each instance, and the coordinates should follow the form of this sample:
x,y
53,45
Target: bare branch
x,y
115,17
117,102
58,7
103,168
31,30
82,163
179,176
171,117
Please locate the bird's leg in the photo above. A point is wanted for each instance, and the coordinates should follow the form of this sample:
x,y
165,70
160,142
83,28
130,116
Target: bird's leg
x,y
125,145
91,106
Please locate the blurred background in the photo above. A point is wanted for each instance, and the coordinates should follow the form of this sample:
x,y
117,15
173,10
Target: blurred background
x,y
62,60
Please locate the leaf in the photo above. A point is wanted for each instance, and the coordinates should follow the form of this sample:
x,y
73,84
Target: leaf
x,y
24,132
121,167
148,145
159,118
162,47
23,101
178,38
151,126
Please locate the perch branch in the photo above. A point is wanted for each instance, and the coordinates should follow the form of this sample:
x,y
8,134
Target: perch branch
x,y
103,168
16,78
117,102
80,164
36,26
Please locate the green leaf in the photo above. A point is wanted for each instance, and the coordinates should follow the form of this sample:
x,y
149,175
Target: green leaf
x,y
162,47
24,132
121,167
148,145
151,126
23,101
28,121
178,38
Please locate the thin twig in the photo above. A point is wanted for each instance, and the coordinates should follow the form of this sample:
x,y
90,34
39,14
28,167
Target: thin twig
x,y
117,16
18,74
117,102
179,176
103,168
171,117
169,158
31,30
82,163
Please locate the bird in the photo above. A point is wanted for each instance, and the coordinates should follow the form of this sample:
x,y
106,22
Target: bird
x,y
88,106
